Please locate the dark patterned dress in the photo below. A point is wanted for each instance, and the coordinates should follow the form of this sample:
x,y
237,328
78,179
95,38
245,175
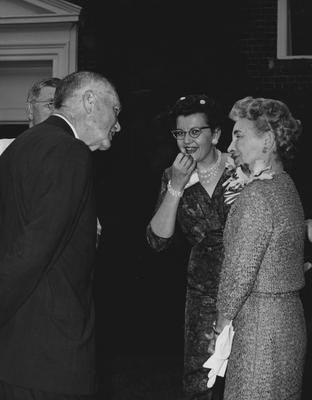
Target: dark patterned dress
x,y
202,219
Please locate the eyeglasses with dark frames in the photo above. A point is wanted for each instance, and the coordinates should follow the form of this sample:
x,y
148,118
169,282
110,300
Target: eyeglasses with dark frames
x,y
48,103
194,133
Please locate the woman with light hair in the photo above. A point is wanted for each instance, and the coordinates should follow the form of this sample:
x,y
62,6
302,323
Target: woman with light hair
x,y
262,272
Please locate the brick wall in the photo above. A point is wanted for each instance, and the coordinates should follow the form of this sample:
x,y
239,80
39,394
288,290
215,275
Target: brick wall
x,y
258,43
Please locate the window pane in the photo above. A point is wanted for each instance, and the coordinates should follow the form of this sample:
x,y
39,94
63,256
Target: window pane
x,y
16,78
301,26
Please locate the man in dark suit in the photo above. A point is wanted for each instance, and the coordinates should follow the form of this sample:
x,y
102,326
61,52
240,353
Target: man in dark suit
x,y
47,245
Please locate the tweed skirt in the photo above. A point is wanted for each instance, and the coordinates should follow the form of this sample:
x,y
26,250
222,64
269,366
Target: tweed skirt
x,y
268,351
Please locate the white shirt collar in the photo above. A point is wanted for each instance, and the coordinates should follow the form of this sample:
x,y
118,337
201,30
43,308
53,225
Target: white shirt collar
x,y
69,123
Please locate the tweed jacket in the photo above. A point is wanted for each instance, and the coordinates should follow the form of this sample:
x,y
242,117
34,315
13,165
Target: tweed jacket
x,y
263,239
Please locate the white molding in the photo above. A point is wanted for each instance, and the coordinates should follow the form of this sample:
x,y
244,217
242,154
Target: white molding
x,y
39,19
303,57
37,30
53,11
59,6
281,29
73,49
58,53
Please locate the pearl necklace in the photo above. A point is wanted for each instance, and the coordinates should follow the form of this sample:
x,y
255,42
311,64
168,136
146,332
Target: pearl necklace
x,y
206,175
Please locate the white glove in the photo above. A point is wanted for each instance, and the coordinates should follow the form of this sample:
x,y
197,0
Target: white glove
x,y
219,359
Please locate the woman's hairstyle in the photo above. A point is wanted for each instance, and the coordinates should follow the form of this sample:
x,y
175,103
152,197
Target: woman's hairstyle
x,y
197,103
273,115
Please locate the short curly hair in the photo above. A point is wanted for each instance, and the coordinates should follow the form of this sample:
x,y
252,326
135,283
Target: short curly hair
x,y
274,115
197,103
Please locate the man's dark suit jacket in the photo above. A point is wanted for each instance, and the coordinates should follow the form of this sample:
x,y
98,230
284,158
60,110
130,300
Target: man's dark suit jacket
x,y
47,249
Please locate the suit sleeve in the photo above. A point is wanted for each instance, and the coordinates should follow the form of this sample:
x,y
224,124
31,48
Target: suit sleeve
x,y
61,189
247,235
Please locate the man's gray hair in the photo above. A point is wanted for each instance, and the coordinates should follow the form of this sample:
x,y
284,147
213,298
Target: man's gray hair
x,y
34,91
77,80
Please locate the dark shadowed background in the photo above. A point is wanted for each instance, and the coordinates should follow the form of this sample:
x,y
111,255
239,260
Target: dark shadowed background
x,y
156,51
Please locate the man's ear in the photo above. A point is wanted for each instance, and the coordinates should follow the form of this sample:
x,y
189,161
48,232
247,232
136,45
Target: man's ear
x,y
88,101
216,136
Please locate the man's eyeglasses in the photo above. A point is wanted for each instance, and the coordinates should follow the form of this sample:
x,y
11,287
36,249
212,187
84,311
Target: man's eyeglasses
x,y
194,132
47,103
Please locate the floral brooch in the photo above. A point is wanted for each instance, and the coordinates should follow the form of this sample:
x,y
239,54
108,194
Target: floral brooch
x,y
239,179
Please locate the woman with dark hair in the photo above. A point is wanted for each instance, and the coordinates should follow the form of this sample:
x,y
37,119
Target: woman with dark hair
x,y
192,195
263,272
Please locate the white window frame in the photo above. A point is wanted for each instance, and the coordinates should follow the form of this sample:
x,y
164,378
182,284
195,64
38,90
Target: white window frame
x,y
37,30
283,39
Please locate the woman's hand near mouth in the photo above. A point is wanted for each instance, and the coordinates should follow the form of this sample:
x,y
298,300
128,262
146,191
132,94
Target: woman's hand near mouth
x,y
182,169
